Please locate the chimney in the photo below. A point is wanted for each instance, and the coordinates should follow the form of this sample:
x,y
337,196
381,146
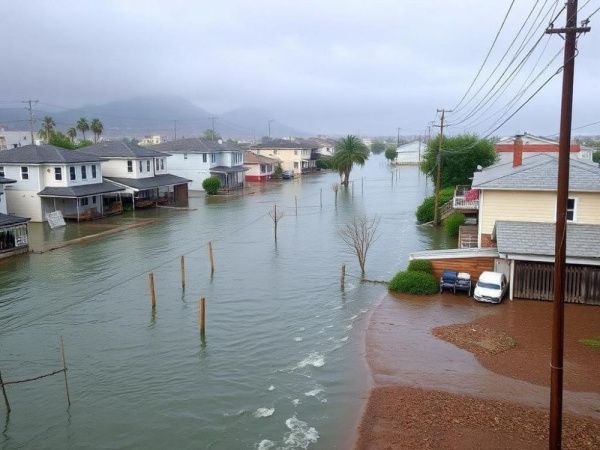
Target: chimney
x,y
518,151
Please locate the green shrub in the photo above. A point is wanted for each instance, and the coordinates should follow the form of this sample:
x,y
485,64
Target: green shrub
x,y
277,172
420,265
211,185
424,212
453,222
418,283
596,156
324,163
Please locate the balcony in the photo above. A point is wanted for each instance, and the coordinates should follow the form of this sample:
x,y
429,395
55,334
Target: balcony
x,y
465,199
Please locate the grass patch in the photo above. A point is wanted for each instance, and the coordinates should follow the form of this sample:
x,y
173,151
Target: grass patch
x,y
591,342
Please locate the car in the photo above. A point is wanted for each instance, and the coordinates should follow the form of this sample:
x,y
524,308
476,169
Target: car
x,y
287,175
448,280
491,287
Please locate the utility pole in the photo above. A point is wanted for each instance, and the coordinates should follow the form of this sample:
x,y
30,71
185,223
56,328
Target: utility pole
x,y
562,197
269,126
436,214
30,108
213,119
175,129
398,140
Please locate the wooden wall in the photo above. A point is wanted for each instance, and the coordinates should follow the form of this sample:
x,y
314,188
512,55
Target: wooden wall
x,y
473,266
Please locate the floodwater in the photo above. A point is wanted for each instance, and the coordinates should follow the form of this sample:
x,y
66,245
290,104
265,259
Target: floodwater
x,y
282,364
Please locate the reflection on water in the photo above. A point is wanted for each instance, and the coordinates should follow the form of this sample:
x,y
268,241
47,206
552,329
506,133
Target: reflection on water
x,y
281,354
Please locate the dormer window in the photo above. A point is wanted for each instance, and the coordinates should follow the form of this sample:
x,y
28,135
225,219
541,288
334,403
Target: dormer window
x,y
58,173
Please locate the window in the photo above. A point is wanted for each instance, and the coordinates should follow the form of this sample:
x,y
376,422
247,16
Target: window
x,y
204,157
57,173
148,166
295,152
162,164
572,210
129,166
185,156
24,173
94,171
275,151
157,164
213,158
83,201
141,167
83,172
72,173
1,171
295,164
94,199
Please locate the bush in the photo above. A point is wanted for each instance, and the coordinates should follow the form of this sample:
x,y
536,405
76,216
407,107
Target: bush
x,y
596,156
324,163
424,212
420,265
277,172
390,153
418,283
211,185
453,222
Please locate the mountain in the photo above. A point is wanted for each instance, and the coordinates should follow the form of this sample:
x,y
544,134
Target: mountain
x,y
163,115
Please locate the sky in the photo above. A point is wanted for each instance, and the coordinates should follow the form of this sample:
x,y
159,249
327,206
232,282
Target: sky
x,y
328,66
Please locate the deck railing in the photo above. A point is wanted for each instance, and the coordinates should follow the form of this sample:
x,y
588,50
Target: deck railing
x,y
460,199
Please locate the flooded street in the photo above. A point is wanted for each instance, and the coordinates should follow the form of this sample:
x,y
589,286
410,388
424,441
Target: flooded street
x,y
282,362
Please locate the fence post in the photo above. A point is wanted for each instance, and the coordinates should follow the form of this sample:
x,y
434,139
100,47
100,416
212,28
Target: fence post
x,y
321,198
202,314
4,394
343,276
152,291
182,269
62,352
212,260
296,203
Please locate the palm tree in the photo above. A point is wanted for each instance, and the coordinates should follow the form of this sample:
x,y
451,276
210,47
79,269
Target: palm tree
x,y
48,125
83,126
349,151
72,133
97,128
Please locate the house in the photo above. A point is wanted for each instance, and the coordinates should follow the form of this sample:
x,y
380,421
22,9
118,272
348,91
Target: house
x,y
323,146
50,178
294,156
410,154
151,140
13,229
260,168
532,145
14,139
141,172
197,159
516,216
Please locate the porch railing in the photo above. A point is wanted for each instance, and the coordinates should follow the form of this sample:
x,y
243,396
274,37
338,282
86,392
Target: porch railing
x,y
460,199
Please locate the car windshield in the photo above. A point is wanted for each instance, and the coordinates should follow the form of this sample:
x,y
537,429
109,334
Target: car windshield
x,y
482,284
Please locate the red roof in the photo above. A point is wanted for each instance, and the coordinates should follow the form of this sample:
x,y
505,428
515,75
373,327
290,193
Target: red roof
x,y
535,147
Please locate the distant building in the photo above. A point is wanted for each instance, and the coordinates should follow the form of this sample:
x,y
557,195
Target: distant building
x,y
260,168
410,154
323,146
13,229
197,159
151,140
14,139
295,156
534,145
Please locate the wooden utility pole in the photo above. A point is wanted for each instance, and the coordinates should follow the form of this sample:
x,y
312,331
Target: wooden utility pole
x,y
438,179
560,249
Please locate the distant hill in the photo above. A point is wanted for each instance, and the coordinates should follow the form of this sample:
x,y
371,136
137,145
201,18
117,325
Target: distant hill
x,y
155,115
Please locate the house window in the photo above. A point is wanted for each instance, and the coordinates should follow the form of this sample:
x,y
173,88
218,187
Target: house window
x,y
572,210
83,172
295,164
24,173
185,156
141,167
94,171
129,166
1,171
94,199
204,157
157,165
213,158
295,152
83,201
148,166
274,152
162,164
57,173
72,173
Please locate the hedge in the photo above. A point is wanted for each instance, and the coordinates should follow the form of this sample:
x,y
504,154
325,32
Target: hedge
x,y
420,265
425,210
418,283
453,222
211,185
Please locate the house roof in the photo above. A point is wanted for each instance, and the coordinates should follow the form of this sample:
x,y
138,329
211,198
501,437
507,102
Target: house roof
x,y
84,190
538,173
531,143
141,184
534,238
284,144
227,169
411,147
195,145
7,180
44,154
121,149
253,158
9,220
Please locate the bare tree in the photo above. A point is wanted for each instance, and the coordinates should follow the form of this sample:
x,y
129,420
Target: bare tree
x,y
359,235
276,216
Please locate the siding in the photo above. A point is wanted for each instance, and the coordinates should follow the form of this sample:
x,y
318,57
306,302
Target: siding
x,y
25,204
533,207
473,266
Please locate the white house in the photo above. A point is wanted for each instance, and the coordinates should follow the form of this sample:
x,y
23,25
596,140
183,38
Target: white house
x,y
142,172
49,178
410,154
14,139
13,229
197,159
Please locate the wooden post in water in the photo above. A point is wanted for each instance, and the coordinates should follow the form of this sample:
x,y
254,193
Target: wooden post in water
x,y
212,260
352,188
343,276
64,362
4,394
152,291
182,270
362,186
321,198
296,204
202,316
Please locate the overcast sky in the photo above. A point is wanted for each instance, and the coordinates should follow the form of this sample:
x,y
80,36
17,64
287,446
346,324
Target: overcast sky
x,y
320,65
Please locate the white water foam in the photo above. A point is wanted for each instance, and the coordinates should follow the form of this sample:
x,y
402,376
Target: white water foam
x,y
296,402
265,444
298,339
314,359
264,412
271,388
302,328
300,434
314,392
344,339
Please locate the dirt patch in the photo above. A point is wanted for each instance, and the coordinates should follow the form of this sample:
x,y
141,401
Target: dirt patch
x,y
478,340
409,418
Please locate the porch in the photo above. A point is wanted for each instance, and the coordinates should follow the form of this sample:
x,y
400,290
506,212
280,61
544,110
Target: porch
x,y
231,178
152,191
465,200
13,235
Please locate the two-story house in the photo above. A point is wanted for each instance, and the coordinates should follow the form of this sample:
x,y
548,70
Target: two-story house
x,y
50,178
13,229
293,156
141,171
534,145
197,159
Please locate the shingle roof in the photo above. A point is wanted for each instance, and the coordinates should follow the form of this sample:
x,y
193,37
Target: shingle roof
x,y
253,158
7,180
195,145
227,169
534,238
121,149
8,220
84,190
150,182
40,154
284,143
539,173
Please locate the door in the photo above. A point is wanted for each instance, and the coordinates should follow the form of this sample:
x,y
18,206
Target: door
x,y
502,266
